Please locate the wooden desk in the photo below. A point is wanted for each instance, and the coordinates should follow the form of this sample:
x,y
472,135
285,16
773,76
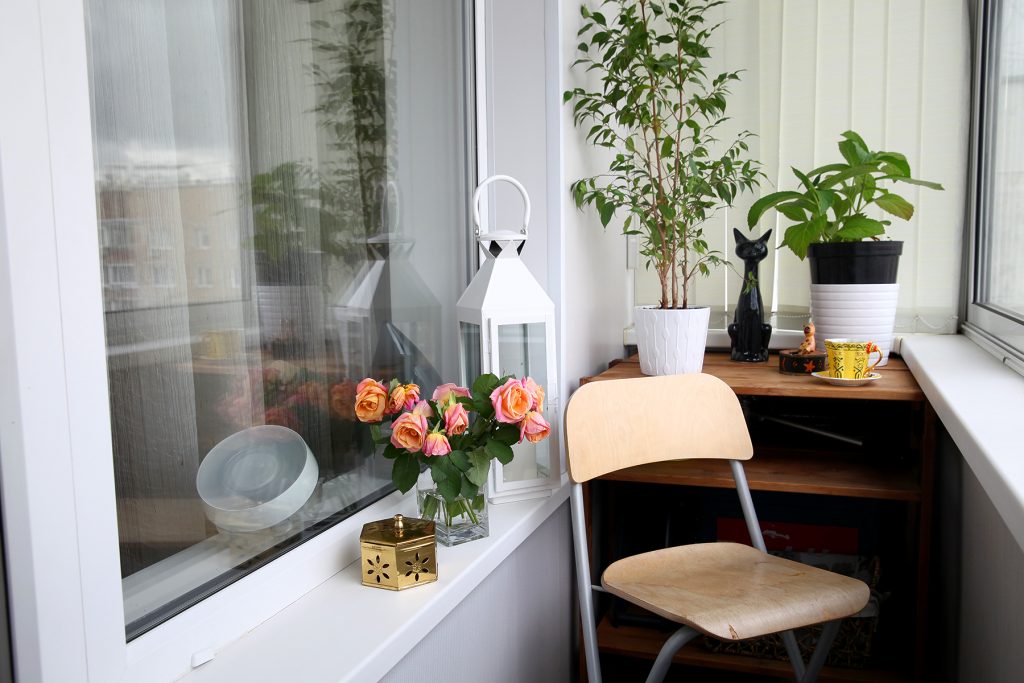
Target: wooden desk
x,y
893,463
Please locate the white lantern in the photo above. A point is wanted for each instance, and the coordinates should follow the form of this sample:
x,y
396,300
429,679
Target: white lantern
x,y
507,327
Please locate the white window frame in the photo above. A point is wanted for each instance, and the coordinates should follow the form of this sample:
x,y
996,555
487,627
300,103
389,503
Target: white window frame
x,y
55,436
998,332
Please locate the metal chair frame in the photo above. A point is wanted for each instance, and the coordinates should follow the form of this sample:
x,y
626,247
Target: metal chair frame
x,y
805,672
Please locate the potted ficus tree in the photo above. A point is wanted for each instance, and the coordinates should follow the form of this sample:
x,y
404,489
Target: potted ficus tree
x,y
660,110
838,217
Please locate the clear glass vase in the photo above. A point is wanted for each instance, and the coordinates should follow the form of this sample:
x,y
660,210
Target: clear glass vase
x,y
457,522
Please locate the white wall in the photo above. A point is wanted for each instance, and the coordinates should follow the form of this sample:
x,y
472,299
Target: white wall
x,y
596,301
514,627
991,591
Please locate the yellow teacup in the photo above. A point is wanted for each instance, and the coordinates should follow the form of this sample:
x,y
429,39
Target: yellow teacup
x,y
849,359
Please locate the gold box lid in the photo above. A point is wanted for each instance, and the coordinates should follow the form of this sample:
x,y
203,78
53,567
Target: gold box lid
x,y
398,531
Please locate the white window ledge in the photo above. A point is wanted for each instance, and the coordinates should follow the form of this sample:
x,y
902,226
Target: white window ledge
x,y
980,402
343,631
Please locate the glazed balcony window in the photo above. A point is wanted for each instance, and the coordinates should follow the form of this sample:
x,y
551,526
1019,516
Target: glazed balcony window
x,y
282,199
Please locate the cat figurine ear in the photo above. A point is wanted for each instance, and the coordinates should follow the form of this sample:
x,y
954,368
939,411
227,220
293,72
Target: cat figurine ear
x,y
741,238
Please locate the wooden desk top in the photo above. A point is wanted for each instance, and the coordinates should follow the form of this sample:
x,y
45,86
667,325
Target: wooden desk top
x,y
764,379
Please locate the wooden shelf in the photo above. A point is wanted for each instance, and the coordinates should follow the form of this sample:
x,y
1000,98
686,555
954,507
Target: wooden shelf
x,y
793,472
764,379
635,641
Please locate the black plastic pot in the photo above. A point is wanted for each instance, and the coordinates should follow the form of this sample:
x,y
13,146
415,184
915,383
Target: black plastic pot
x,y
854,263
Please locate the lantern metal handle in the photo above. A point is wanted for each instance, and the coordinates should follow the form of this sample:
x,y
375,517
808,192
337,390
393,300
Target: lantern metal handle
x,y
509,179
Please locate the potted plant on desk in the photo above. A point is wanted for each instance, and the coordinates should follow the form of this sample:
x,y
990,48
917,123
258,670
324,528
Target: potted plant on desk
x,y
853,271
659,111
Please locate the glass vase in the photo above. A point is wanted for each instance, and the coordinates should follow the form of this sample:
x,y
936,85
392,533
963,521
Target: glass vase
x,y
464,519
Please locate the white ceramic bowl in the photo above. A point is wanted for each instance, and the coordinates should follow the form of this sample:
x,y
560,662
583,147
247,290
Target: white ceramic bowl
x,y
256,478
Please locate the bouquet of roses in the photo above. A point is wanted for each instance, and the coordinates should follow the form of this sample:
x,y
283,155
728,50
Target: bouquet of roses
x,y
456,433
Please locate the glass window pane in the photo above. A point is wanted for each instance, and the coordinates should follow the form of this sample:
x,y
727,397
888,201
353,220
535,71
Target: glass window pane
x,y
522,352
1001,271
281,189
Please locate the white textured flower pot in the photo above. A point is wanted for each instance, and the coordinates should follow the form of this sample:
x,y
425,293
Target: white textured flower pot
x,y
858,312
671,341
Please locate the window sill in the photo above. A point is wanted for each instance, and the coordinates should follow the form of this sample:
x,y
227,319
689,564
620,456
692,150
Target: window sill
x,y
342,631
975,396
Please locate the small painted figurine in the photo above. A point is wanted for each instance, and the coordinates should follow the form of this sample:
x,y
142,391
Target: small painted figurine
x,y
807,345
749,332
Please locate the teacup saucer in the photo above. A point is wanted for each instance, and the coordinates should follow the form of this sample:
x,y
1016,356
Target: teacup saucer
x,y
847,382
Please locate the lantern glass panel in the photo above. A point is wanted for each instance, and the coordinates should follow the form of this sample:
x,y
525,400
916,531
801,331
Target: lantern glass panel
x,y
469,359
522,352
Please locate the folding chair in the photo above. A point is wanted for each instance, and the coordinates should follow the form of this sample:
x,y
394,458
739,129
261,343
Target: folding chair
x,y
725,590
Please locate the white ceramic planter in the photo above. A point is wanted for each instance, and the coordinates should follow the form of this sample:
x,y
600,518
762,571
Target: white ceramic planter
x,y
671,341
859,312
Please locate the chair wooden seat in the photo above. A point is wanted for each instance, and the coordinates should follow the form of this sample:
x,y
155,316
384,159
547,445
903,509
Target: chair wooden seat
x,y
733,591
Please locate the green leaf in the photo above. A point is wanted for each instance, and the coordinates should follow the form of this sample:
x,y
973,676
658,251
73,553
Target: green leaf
x,y
469,489
481,466
484,385
460,460
507,434
501,451
851,152
774,199
922,183
799,236
607,210
792,211
449,488
896,205
896,160
858,227
850,172
405,471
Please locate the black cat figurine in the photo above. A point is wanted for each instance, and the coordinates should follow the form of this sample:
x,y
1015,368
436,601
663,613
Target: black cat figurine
x,y
748,332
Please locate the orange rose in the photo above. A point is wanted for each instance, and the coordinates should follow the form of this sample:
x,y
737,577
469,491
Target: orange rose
x,y
534,427
456,419
436,444
537,391
396,402
371,399
412,394
409,431
511,401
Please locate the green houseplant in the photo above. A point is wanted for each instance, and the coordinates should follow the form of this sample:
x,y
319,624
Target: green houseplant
x,y
838,215
659,109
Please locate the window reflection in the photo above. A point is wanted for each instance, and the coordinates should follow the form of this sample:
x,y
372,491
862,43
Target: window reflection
x,y
281,191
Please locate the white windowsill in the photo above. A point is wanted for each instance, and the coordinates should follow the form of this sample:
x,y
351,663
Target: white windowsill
x,y
979,401
343,631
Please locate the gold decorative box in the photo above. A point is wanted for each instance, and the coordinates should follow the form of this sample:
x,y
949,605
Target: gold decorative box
x,y
398,553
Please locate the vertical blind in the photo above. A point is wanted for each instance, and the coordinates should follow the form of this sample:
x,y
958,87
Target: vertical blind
x,y
897,72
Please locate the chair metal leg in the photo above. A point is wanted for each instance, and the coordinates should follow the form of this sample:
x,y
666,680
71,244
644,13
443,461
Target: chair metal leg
x,y
668,651
828,634
583,584
795,657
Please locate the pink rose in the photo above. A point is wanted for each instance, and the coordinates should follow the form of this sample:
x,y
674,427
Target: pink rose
x,y
534,427
511,401
436,444
409,431
371,399
456,419
448,392
396,401
412,394
423,408
537,391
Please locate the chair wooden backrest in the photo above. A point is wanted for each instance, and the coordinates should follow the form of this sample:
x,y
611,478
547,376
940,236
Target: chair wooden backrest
x,y
614,424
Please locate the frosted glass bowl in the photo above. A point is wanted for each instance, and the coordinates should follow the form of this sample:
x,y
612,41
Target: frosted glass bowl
x,y
256,478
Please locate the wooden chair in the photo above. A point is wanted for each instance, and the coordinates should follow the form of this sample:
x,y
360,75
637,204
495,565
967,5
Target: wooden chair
x,y
725,590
